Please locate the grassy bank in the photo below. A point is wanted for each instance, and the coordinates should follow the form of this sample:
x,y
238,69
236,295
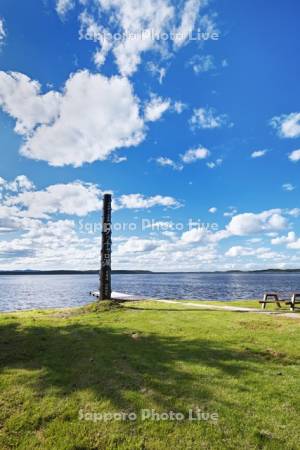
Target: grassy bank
x,y
244,367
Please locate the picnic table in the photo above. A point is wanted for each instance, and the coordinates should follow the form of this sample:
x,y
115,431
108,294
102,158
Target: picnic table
x,y
274,297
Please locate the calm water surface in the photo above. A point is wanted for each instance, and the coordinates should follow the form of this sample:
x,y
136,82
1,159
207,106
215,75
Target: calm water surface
x,y
52,291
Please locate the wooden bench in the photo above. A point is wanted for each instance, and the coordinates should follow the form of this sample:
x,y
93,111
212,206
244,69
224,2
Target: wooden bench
x,y
272,297
295,300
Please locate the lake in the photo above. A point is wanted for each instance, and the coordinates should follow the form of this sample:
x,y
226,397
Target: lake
x,y
19,292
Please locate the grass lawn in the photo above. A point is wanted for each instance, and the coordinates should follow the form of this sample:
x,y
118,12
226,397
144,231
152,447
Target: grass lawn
x,y
242,366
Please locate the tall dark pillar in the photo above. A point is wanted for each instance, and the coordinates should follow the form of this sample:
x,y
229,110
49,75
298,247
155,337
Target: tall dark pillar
x,y
105,269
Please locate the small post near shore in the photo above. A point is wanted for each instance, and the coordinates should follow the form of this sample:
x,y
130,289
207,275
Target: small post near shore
x,y
105,269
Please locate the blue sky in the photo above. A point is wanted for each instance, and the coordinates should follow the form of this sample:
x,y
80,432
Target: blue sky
x,y
201,124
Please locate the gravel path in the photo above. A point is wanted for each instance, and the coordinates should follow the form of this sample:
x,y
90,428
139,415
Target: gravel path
x,y
290,315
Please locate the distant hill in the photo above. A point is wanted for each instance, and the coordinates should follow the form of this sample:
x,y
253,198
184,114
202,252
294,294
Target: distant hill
x,y
137,272
68,272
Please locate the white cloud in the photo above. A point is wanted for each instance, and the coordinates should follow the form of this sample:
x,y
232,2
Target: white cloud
x,y
139,201
207,118
214,164
195,235
141,24
291,237
188,20
213,210
261,252
258,153
295,156
232,211
21,98
63,6
250,223
294,245
156,70
2,32
238,250
179,107
202,63
156,107
225,63
22,201
295,212
137,245
75,198
195,154
288,187
119,159
163,161
91,31
134,18
93,117
19,184
287,125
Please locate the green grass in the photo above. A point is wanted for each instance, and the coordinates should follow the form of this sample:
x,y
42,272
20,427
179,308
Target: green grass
x,y
242,366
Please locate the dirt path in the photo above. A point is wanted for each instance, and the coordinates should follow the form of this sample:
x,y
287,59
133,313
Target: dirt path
x,y
290,315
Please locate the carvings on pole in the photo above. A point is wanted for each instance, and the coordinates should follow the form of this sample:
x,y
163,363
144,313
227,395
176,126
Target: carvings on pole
x,y
105,269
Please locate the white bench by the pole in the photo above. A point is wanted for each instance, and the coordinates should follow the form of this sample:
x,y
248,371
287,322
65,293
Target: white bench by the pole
x,y
295,300
272,297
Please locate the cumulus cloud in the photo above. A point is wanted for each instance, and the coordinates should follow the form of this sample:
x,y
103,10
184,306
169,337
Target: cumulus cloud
x,y
238,250
21,98
258,153
188,19
168,162
295,156
294,245
22,200
251,223
202,63
213,164
179,107
156,107
132,19
261,253
288,187
19,184
194,154
207,118
295,212
190,156
63,6
2,32
231,211
138,245
93,117
73,199
157,71
213,210
141,25
291,237
92,31
287,125
139,201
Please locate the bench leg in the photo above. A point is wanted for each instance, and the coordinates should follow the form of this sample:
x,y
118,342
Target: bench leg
x,y
292,307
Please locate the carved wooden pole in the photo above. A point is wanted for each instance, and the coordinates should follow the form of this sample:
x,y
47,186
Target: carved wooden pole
x,y
105,269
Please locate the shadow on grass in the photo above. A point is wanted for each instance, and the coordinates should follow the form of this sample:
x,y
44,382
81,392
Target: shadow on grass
x,y
119,366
